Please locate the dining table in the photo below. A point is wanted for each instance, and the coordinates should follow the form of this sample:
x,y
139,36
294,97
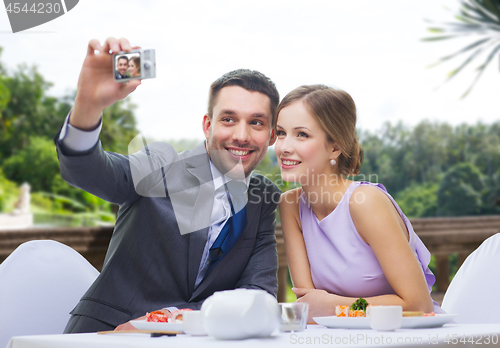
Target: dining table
x,y
449,335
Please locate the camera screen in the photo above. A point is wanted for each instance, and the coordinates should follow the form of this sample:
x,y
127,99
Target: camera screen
x,y
127,66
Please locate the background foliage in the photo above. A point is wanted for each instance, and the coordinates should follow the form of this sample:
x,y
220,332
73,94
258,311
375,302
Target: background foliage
x,y
29,121
432,169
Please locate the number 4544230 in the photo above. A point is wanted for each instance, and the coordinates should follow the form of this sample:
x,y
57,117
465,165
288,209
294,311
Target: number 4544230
x,y
473,339
18,7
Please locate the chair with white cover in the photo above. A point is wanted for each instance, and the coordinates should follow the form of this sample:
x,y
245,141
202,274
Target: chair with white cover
x,y
473,292
40,283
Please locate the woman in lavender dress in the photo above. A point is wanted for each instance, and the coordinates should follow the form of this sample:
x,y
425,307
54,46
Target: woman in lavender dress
x,y
344,239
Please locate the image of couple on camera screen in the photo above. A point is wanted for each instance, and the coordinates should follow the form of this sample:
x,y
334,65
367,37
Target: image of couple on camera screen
x,y
127,65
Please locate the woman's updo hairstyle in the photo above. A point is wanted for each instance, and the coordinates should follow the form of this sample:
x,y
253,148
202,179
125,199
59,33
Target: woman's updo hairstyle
x,y
336,113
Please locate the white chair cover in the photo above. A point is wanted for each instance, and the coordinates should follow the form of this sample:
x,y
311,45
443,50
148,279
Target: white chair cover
x,y
40,283
473,293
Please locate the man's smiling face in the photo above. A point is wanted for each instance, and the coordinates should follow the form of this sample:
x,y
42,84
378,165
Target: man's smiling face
x,y
239,132
122,66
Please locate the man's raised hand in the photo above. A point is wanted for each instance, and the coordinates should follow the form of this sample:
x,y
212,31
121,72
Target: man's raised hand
x,y
96,86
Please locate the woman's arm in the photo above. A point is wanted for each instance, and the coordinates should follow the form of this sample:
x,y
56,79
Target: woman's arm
x,y
296,253
380,225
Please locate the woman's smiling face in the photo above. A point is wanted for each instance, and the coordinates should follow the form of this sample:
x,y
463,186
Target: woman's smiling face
x,y
302,147
132,69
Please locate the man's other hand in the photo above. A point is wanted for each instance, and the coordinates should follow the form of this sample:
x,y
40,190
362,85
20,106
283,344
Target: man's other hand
x,y
129,326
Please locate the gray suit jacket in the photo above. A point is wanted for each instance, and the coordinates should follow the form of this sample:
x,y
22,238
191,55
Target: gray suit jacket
x,y
150,264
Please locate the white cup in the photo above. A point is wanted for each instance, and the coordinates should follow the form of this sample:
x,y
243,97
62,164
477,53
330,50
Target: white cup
x,y
385,318
193,323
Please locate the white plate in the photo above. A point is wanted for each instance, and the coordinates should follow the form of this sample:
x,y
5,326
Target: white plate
x,y
364,323
420,322
149,325
343,322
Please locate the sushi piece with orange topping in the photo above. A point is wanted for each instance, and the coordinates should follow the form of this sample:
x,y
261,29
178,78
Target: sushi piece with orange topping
x,y
357,313
342,311
157,317
177,315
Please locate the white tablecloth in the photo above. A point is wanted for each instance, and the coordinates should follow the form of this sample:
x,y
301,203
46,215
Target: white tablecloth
x,y
470,335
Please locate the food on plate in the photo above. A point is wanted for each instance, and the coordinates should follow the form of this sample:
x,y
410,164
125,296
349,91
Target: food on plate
x,y
160,317
359,304
357,313
157,317
342,311
177,315
357,309
361,308
412,313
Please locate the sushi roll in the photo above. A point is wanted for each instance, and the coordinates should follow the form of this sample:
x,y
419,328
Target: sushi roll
x,y
177,315
342,311
357,313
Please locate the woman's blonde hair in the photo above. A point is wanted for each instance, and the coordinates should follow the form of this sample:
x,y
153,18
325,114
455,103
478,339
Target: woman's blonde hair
x,y
336,113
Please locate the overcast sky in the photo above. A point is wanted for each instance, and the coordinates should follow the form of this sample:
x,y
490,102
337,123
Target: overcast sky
x,y
371,49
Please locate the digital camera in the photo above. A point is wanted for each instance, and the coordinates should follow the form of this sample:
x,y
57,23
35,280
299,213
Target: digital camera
x,y
134,64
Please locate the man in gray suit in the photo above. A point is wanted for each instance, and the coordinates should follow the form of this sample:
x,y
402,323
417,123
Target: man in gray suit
x,y
182,231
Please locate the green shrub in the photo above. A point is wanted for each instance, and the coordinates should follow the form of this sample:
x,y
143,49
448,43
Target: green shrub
x,y
9,193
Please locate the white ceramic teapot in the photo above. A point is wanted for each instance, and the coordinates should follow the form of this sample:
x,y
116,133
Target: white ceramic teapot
x,y
240,313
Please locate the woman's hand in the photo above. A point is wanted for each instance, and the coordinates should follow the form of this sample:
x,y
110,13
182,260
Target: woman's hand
x,y
321,303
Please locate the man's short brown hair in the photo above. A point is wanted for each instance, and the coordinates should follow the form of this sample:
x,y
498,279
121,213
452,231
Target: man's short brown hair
x,y
251,80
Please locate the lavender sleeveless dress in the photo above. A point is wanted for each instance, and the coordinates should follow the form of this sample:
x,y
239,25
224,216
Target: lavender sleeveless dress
x,y
340,260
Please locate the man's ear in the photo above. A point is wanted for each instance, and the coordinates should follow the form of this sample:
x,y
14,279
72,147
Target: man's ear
x,y
207,123
273,137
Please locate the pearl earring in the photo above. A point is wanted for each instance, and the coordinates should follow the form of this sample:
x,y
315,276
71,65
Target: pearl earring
x,y
333,162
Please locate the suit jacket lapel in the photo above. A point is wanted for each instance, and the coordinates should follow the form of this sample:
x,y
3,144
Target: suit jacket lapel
x,y
198,165
253,206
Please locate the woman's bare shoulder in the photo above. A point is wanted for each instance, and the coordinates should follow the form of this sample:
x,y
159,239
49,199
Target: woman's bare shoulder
x,y
290,198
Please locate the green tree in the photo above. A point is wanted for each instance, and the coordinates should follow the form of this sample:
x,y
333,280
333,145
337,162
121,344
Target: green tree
x,y
460,192
383,156
411,159
4,98
418,200
9,192
427,151
479,18
29,111
29,120
118,126
35,164
491,195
